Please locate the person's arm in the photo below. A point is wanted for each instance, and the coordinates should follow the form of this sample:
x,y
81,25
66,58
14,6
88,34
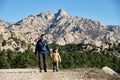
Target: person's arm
x,y
36,49
59,57
48,47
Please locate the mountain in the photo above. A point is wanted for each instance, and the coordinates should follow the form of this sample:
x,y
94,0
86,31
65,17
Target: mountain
x,y
61,28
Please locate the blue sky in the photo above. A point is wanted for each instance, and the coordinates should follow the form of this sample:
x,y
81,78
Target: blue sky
x,y
105,11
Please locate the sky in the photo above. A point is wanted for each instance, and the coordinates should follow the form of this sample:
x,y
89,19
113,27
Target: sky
x,y
105,11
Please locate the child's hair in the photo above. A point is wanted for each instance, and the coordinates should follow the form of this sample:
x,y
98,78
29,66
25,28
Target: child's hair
x,y
55,49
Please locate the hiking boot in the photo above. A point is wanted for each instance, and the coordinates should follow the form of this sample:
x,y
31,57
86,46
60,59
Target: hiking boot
x,y
45,70
40,71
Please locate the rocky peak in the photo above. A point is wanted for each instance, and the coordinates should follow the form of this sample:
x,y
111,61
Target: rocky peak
x,y
5,23
33,15
61,12
46,15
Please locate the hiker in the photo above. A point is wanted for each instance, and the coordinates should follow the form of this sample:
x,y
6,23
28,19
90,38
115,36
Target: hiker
x,y
42,49
56,59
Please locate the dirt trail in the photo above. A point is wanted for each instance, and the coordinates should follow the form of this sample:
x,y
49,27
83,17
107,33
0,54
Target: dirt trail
x,y
34,74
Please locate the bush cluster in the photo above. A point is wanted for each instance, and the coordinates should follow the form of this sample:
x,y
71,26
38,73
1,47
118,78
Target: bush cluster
x,y
72,57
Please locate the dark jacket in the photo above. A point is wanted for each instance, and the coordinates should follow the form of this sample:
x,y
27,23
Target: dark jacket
x,y
42,47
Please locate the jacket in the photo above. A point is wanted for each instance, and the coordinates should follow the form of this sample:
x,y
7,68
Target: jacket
x,y
56,57
42,47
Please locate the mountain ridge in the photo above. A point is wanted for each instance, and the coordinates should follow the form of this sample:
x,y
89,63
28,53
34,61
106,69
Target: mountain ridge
x,y
62,29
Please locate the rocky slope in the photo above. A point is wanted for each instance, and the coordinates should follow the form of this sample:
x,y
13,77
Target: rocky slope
x,y
13,40
62,29
5,23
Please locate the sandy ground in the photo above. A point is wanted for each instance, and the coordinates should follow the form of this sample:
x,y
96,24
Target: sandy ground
x,y
34,74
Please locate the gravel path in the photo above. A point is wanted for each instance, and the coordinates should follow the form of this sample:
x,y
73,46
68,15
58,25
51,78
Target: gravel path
x,y
34,74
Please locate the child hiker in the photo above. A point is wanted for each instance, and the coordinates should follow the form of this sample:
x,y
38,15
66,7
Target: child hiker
x,y
56,59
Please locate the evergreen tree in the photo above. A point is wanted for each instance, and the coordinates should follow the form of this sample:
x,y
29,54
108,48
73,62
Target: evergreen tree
x,y
3,60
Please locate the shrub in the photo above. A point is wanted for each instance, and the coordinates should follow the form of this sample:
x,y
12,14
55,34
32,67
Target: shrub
x,y
4,42
72,57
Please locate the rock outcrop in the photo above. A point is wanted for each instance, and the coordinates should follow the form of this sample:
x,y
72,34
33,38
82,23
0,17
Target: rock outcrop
x,y
13,40
109,70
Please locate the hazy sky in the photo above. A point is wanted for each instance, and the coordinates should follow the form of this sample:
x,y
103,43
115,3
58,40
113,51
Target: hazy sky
x,y
105,11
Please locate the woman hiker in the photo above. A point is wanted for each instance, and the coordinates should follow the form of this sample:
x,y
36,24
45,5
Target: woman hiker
x,y
42,49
